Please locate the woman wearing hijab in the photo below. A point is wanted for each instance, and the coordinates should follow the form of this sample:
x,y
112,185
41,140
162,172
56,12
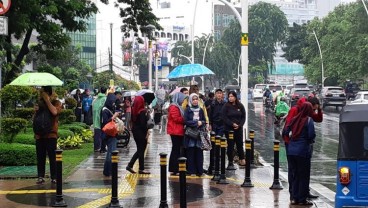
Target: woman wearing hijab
x,y
139,129
194,117
108,113
299,153
233,115
175,128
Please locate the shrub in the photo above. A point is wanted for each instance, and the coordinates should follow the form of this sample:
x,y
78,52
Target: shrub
x,y
74,128
26,113
81,124
87,135
66,116
10,95
17,154
11,127
64,133
70,142
25,138
70,103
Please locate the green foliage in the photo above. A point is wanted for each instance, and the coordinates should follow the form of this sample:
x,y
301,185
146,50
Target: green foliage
x,y
295,42
102,80
74,128
66,116
25,138
11,127
87,135
70,142
26,113
50,19
10,95
17,154
64,133
70,103
81,124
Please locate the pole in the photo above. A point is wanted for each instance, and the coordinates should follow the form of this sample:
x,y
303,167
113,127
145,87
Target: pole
x,y
194,17
111,49
163,164
211,168
183,181
204,56
132,61
320,53
222,179
59,201
150,63
244,61
216,174
365,6
247,181
156,69
114,180
276,180
251,137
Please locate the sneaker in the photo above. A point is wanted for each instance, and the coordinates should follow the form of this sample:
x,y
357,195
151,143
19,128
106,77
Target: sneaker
x,y
143,172
53,181
40,180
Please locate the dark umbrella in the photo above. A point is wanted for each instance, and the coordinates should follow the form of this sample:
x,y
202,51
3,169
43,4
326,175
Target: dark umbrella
x,y
148,95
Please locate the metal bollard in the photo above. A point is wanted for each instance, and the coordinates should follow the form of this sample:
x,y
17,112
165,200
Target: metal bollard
x,y
216,174
222,179
211,168
59,201
247,180
183,181
163,164
114,180
251,137
276,180
231,142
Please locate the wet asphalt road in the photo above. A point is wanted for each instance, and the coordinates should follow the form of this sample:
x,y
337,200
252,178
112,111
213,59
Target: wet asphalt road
x,y
325,149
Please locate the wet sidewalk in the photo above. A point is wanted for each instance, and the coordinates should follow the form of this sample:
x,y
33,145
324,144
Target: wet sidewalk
x,y
87,187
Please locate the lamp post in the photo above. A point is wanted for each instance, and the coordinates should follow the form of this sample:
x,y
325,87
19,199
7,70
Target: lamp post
x,y
204,56
365,6
150,29
320,53
89,77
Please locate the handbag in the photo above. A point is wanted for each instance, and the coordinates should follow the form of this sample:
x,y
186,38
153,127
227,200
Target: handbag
x,y
206,142
150,123
192,132
110,129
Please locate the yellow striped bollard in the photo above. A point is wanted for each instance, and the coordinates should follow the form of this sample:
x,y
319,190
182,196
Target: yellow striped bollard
x,y
211,167
230,147
276,180
183,181
163,165
222,179
114,180
247,180
251,137
59,200
216,174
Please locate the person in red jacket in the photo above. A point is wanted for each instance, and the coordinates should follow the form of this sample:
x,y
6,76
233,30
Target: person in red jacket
x,y
175,128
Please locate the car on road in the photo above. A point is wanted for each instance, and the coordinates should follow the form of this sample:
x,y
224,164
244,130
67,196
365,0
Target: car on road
x,y
301,85
351,89
361,98
287,89
276,87
332,96
258,90
352,157
296,94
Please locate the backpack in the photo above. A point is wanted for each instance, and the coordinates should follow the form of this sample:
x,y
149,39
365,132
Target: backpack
x,y
42,122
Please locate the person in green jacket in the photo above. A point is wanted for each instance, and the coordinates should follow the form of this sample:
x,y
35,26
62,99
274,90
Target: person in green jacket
x,y
281,109
97,106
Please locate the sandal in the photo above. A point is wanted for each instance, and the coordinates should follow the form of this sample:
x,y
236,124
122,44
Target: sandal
x,y
40,180
306,203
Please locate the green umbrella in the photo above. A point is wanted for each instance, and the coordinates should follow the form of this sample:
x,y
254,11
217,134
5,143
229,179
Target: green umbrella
x,y
37,79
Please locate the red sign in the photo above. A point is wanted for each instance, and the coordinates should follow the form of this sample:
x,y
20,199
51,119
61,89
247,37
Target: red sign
x,y
4,6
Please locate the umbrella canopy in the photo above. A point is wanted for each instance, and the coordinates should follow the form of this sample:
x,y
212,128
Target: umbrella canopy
x,y
148,95
37,79
73,92
189,70
176,90
129,93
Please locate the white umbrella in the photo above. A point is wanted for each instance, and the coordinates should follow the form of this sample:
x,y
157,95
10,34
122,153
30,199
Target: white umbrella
x,y
73,92
129,93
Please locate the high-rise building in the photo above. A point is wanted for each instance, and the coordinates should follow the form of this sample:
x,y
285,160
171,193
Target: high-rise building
x,y
87,41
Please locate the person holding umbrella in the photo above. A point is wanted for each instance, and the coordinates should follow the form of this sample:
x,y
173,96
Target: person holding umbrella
x,y
46,136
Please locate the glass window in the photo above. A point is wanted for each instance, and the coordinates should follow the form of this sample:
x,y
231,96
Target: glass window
x,y
218,19
365,97
366,137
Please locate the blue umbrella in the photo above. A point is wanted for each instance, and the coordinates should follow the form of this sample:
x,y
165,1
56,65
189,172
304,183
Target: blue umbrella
x,y
189,70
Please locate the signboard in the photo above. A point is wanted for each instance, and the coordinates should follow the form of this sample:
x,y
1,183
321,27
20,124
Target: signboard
x,y
157,62
244,39
3,25
4,6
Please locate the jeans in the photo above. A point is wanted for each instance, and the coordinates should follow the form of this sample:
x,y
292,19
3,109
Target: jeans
x,y
44,145
97,138
111,146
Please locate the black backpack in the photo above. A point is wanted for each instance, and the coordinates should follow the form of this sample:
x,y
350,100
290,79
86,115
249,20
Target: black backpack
x,y
42,121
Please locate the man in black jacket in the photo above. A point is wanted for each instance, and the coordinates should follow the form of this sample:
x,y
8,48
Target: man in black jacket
x,y
215,118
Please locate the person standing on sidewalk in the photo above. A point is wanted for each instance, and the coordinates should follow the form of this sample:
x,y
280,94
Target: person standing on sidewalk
x,y
215,117
128,111
175,128
86,107
194,118
140,117
108,114
78,109
233,115
97,106
302,135
47,142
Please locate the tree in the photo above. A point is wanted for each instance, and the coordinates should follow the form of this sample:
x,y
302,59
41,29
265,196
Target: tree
x,y
296,40
49,19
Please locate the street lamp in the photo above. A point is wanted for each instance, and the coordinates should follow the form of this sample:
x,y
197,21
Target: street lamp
x,y
180,55
89,77
365,6
150,29
320,53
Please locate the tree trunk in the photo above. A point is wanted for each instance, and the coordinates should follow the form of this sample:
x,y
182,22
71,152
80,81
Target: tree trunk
x,y
24,50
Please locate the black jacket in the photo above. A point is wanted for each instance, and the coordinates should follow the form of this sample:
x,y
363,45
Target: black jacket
x,y
233,114
216,113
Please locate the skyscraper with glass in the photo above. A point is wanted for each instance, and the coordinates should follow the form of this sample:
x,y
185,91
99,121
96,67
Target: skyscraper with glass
x,y
87,41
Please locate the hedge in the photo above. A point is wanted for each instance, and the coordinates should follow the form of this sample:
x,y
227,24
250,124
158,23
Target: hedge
x,y
26,113
11,127
64,133
17,154
80,124
66,116
74,128
25,138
